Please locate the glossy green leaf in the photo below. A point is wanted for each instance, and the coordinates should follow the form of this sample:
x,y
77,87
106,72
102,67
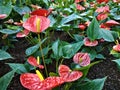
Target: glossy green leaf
x,y
4,55
96,84
93,30
106,35
29,51
5,8
5,80
22,9
69,18
8,31
71,49
117,61
20,68
86,68
57,49
92,52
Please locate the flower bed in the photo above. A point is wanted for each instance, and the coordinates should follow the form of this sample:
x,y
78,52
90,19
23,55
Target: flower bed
x,y
64,40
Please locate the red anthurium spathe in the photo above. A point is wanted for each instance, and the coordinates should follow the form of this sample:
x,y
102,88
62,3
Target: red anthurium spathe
x,y
69,75
102,9
112,23
33,61
2,16
32,82
116,47
23,33
83,59
36,23
102,16
41,12
82,26
87,42
104,26
79,7
101,1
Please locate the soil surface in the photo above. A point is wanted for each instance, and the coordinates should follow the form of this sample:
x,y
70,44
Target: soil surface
x,y
105,68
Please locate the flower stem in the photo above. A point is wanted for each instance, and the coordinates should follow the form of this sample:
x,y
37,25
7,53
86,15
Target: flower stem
x,y
42,56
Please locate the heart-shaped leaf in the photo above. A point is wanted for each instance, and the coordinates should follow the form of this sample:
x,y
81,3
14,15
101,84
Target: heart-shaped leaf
x,y
96,84
71,49
5,8
93,30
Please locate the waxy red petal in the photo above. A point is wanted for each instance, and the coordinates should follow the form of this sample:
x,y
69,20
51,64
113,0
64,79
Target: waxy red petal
x,y
102,16
101,1
2,16
87,42
79,7
82,26
31,24
84,57
23,33
32,60
112,23
40,12
32,82
103,9
67,74
116,47
29,80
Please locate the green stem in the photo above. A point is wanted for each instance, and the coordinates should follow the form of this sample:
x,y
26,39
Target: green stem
x,y
61,61
42,56
57,65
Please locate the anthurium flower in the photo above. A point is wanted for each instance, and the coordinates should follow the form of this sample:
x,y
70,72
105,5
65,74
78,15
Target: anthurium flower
x,y
77,1
80,7
82,26
83,59
36,23
33,82
35,6
33,61
67,74
102,16
87,42
23,33
102,9
2,16
116,47
41,12
104,26
101,1
116,1
111,23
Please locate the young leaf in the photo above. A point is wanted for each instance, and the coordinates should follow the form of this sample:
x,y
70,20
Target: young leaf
x,y
5,80
96,84
93,30
71,49
4,55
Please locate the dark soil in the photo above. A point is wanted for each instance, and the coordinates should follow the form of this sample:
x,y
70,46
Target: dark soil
x,y
105,68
